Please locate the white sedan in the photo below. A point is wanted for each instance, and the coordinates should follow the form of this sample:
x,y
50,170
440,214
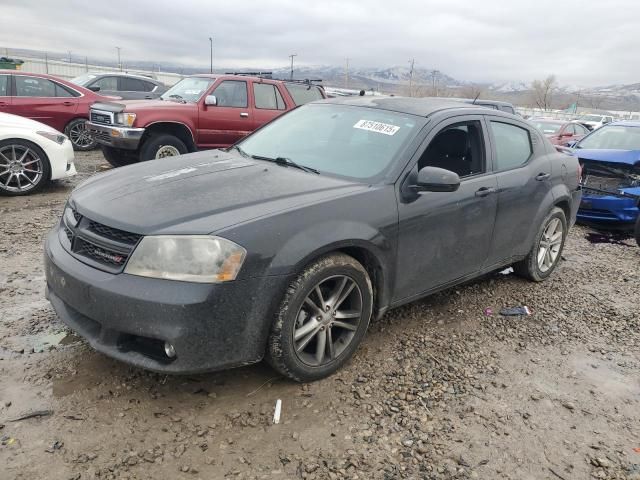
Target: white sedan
x,y
31,154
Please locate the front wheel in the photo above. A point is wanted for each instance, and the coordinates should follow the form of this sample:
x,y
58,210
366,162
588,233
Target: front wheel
x,y
547,248
161,146
24,167
322,319
79,135
117,157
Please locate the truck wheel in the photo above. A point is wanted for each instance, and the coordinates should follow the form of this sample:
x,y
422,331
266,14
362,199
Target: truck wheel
x,y
322,319
162,146
637,231
547,248
117,157
80,137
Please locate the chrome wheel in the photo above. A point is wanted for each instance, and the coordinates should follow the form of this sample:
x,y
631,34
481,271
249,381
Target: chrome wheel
x,y
550,244
21,168
167,151
80,136
327,320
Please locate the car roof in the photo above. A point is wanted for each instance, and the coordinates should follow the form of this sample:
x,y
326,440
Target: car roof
x,y
550,120
123,74
422,107
625,123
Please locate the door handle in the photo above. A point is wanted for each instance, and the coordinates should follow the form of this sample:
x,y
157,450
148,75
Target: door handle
x,y
542,176
4,104
148,97
485,191
67,104
244,114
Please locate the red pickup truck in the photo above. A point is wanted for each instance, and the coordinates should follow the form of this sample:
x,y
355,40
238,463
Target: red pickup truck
x,y
199,112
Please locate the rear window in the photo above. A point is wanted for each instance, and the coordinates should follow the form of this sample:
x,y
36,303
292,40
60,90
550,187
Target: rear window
x,y
302,94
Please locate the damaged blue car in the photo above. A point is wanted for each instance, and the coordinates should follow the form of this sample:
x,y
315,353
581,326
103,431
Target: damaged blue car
x,y
610,160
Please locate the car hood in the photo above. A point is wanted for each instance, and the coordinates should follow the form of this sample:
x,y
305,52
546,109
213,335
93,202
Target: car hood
x,y
627,157
118,106
200,193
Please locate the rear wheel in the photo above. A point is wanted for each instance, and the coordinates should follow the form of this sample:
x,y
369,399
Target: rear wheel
x,y
161,146
80,137
24,167
547,248
117,157
322,319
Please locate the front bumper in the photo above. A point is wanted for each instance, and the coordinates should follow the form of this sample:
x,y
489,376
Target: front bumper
x,y
608,209
129,318
61,159
117,137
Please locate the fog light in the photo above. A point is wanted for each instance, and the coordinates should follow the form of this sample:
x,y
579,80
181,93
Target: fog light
x,y
169,350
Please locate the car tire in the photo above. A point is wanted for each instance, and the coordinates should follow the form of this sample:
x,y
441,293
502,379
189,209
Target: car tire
x,y
636,232
299,315
117,157
161,146
35,156
80,138
547,248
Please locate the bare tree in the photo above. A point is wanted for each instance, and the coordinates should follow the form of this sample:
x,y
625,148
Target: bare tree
x,y
471,91
542,92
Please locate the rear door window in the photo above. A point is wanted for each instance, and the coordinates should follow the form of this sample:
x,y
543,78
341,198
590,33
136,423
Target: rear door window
x,y
267,97
231,93
106,84
135,85
512,144
34,87
302,94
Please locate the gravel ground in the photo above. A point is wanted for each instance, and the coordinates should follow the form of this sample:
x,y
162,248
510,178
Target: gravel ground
x,y
438,390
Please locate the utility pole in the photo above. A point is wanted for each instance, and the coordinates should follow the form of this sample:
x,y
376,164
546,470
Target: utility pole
x,y
412,63
69,56
346,75
211,64
86,64
119,63
46,62
434,76
291,57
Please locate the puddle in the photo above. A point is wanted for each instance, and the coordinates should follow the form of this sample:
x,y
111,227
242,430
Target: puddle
x,y
615,238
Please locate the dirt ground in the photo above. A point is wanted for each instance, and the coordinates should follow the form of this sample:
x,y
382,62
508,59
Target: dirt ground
x,y
438,390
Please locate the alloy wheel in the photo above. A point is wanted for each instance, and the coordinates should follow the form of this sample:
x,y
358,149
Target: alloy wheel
x,y
80,136
327,320
21,168
550,244
167,151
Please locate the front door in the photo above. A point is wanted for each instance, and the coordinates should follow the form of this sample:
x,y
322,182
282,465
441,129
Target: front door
x,y
43,100
5,93
523,170
230,120
445,236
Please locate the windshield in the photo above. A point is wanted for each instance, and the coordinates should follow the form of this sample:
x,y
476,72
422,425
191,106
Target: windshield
x,y
83,79
355,142
189,89
591,118
548,127
614,137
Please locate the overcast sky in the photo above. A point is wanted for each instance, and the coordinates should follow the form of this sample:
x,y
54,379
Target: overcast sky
x,y
583,42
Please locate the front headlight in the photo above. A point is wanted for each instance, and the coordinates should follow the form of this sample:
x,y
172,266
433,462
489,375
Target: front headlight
x,y
53,136
125,118
189,258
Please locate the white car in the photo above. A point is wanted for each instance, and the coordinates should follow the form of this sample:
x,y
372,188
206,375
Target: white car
x,y
31,154
595,121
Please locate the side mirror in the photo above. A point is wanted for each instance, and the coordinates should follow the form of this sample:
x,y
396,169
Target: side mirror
x,y
211,100
94,88
434,179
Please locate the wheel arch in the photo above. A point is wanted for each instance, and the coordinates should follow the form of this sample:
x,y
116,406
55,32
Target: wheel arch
x,y
177,129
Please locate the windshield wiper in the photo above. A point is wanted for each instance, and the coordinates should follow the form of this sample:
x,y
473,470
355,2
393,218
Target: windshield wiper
x,y
178,97
240,151
286,162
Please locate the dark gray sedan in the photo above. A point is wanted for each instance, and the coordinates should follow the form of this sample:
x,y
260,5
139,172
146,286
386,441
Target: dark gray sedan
x,y
124,85
286,245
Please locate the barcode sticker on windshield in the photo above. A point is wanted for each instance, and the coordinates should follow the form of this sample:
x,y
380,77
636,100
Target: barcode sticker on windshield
x,y
377,127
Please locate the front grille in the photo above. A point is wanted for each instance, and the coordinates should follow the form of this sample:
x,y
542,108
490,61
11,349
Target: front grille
x,y
114,233
99,245
613,184
100,117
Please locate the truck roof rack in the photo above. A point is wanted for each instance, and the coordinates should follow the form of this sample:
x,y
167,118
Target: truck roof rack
x,y
252,74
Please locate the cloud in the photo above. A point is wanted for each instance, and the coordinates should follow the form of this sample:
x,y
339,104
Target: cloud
x,y
483,40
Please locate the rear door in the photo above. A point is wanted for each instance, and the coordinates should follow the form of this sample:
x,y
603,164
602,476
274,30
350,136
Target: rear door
x,y
523,173
228,121
445,236
135,89
44,100
5,93
268,103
